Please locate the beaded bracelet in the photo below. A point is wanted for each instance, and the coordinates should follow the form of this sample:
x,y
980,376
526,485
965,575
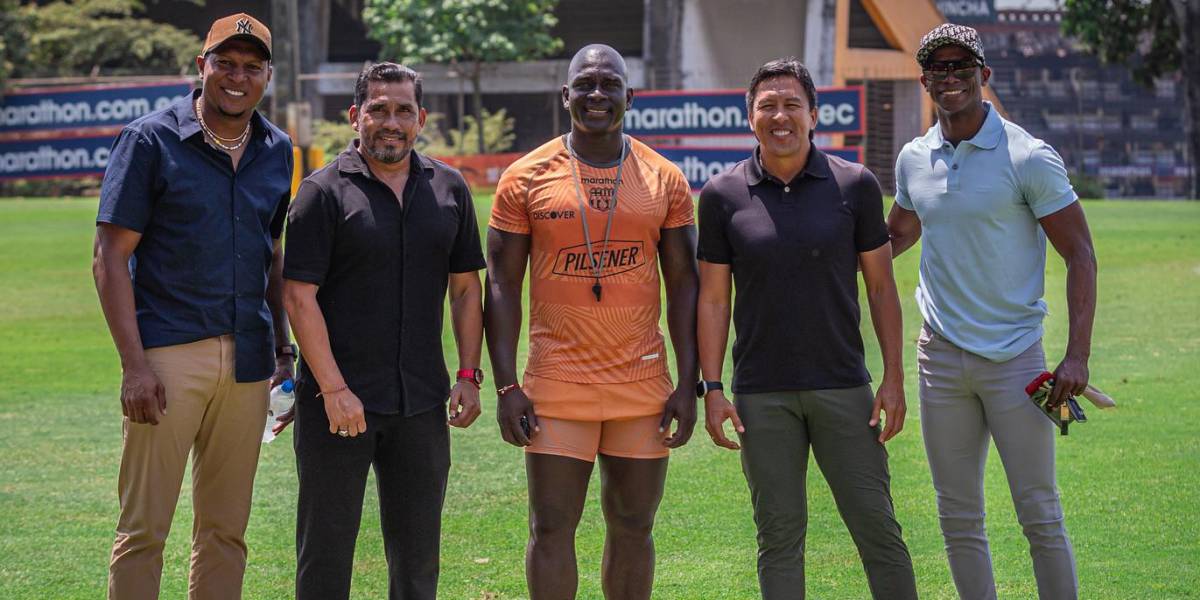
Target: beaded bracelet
x,y
341,389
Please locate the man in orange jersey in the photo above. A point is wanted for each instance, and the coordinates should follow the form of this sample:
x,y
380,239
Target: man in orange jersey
x,y
592,212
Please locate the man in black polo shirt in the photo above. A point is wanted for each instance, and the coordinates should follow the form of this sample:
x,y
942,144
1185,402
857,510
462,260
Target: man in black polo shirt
x,y
789,226
191,210
374,240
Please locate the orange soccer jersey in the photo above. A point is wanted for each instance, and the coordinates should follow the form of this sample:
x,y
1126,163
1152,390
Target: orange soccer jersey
x,y
572,336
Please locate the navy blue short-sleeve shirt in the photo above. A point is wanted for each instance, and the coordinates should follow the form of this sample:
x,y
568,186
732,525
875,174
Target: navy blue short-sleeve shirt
x,y
200,268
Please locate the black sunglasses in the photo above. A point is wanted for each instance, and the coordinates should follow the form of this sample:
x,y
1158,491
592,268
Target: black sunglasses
x,y
941,71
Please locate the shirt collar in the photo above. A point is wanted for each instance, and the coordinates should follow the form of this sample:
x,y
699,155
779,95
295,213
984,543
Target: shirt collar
x,y
185,115
816,166
189,125
351,161
987,138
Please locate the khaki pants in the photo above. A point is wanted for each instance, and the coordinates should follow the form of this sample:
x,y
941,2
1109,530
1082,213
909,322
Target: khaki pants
x,y
220,422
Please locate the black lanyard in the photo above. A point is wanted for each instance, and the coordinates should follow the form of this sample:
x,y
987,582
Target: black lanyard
x,y
596,265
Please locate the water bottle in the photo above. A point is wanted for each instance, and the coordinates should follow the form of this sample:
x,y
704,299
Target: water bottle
x,y
283,396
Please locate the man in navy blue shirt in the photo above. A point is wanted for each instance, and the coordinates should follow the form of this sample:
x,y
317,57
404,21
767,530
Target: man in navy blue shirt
x,y
186,267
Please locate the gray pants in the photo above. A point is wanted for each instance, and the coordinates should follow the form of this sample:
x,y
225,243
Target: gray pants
x,y
965,399
780,428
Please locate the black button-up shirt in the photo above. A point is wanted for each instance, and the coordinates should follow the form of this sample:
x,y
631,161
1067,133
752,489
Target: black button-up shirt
x,y
793,249
382,268
200,269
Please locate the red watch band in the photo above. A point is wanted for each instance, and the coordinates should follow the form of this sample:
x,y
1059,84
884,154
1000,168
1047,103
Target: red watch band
x,y
475,376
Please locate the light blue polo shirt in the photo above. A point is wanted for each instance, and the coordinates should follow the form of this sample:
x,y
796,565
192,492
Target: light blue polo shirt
x,y
983,253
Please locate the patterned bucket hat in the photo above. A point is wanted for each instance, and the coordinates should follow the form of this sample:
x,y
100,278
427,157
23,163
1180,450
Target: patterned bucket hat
x,y
948,34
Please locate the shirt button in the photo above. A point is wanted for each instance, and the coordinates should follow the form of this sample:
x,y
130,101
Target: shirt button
x,y
955,167
787,188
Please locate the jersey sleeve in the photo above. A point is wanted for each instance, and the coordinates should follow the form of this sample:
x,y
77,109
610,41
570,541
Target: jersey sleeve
x,y
680,209
510,208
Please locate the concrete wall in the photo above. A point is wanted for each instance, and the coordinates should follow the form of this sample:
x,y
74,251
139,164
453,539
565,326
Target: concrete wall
x,y
819,40
724,41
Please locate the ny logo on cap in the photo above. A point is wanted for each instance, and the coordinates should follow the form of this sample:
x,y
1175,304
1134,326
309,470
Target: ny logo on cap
x,y
244,26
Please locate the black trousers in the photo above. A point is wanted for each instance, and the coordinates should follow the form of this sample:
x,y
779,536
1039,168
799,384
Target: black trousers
x,y
411,458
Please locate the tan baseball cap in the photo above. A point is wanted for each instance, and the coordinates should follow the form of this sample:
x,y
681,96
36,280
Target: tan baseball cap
x,y
240,25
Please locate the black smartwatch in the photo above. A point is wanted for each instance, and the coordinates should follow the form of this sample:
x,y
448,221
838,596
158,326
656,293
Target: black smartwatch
x,y
704,387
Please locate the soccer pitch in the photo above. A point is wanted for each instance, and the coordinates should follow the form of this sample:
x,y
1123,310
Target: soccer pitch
x,y
1129,479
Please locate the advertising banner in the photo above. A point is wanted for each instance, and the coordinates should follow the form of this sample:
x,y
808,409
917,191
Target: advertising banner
x,y
723,112
62,157
968,12
698,164
82,107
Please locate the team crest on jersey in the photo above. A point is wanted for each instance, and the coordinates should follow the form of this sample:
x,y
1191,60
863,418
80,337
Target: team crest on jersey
x,y
600,192
600,198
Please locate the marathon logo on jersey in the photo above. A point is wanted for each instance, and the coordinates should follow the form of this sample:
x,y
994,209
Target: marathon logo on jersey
x,y
621,256
600,192
552,215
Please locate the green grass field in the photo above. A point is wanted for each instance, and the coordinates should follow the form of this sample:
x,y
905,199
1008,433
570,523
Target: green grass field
x,y
1129,479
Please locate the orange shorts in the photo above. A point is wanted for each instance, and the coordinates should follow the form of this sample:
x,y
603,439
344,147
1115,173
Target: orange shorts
x,y
638,437
597,401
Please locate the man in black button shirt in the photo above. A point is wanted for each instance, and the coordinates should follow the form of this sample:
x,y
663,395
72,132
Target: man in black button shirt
x,y
374,240
789,226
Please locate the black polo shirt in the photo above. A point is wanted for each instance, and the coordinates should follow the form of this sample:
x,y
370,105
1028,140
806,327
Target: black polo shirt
x,y
793,248
200,268
382,267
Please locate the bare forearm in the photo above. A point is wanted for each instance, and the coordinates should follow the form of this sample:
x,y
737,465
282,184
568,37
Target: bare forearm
x,y
115,290
887,321
502,318
313,335
466,316
904,228
677,252
1081,303
681,322
903,242
712,334
508,255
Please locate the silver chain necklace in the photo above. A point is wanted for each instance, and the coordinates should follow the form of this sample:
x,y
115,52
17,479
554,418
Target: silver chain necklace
x,y
597,266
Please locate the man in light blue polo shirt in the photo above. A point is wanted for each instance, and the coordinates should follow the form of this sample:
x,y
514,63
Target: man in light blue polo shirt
x,y
986,195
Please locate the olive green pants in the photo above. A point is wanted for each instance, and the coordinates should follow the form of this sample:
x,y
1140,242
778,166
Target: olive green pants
x,y
781,427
